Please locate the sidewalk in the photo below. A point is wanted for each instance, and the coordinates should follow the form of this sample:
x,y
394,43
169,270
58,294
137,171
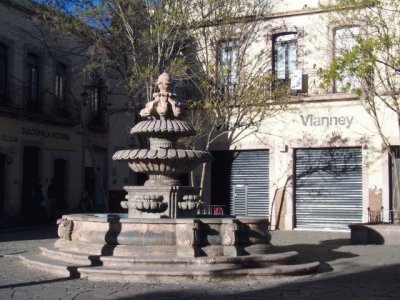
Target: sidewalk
x,y
347,272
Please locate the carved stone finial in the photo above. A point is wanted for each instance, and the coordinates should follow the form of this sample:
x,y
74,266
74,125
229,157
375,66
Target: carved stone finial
x,y
163,106
164,82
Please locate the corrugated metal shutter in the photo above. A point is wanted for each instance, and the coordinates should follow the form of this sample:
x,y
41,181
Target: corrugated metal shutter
x,y
240,200
250,183
328,188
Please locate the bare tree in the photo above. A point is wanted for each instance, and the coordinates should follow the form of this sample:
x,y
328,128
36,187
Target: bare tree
x,y
230,67
217,47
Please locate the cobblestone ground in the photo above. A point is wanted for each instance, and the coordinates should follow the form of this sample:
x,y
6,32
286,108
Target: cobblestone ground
x,y
347,272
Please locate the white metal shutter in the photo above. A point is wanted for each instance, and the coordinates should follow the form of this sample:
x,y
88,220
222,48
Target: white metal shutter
x,y
328,188
249,183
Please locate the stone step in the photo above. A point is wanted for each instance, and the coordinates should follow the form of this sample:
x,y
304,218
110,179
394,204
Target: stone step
x,y
53,266
71,257
226,261
141,272
123,261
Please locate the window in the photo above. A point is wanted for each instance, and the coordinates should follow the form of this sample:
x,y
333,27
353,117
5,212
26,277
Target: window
x,y
3,73
61,82
345,39
95,101
285,56
228,64
33,78
98,98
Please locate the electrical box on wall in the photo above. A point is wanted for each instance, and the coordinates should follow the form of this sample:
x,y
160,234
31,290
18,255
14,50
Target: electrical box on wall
x,y
282,148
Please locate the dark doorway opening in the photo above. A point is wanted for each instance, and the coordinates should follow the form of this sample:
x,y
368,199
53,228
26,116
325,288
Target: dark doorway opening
x,y
30,180
220,175
2,182
59,178
90,183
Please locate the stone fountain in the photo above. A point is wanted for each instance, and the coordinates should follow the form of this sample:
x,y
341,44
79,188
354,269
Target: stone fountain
x,y
162,195
161,235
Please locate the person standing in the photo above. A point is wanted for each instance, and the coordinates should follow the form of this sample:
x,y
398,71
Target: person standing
x,y
39,202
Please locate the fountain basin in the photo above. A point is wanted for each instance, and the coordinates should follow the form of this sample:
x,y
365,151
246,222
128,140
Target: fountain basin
x,y
113,247
99,234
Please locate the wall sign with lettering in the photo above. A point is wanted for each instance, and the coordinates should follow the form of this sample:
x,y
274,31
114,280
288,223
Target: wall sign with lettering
x,y
311,120
45,133
8,138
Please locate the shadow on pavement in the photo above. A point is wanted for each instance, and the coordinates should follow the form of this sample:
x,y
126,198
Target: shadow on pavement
x,y
32,232
32,283
378,283
324,252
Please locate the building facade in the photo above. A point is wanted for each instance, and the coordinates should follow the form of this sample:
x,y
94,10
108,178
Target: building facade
x,y
319,163
53,125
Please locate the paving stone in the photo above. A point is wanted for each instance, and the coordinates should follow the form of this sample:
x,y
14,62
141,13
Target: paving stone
x,y
347,272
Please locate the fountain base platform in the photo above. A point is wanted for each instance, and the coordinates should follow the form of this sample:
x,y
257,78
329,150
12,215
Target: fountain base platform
x,y
114,247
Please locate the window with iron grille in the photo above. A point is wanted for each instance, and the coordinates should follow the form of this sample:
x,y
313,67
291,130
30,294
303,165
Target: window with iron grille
x,y
33,78
285,56
345,39
98,98
3,73
228,65
61,82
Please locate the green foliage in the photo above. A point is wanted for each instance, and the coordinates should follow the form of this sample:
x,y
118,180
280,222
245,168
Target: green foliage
x,y
374,60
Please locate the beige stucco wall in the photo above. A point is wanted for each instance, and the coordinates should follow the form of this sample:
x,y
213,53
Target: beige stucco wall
x,y
316,117
322,124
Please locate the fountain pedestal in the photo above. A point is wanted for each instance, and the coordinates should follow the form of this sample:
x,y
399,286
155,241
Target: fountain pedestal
x,y
162,202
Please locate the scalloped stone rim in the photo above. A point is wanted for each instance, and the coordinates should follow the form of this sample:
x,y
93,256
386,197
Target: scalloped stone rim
x,y
177,127
122,155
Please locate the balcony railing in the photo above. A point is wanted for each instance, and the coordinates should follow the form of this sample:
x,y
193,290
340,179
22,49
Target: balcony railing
x,y
45,104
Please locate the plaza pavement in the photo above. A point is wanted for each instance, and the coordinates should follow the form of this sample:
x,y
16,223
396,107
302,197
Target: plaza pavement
x,y
347,272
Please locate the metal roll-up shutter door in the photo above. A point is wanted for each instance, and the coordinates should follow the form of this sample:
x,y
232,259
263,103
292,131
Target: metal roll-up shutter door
x,y
249,183
328,188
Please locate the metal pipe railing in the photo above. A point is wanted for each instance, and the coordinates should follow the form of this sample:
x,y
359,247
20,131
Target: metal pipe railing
x,y
381,216
213,210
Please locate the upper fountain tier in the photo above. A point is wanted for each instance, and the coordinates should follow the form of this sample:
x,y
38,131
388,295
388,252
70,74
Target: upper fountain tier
x,y
162,125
